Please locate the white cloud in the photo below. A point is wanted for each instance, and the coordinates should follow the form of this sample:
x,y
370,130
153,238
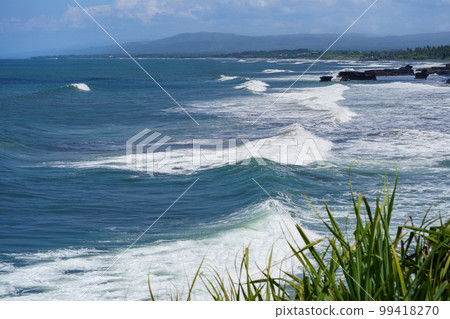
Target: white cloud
x,y
73,17
252,3
102,10
7,24
259,3
145,11
126,4
40,22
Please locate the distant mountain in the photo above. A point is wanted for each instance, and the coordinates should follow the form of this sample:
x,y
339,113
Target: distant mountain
x,y
217,43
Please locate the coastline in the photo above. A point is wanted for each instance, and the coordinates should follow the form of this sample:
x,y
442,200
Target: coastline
x,y
219,58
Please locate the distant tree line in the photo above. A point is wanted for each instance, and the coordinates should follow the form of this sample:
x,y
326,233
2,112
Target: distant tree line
x,y
275,54
425,53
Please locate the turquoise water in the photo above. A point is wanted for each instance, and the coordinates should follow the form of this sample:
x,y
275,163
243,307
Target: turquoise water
x,y
70,204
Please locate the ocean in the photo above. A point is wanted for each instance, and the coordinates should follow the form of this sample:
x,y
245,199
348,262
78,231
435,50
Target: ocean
x,y
71,204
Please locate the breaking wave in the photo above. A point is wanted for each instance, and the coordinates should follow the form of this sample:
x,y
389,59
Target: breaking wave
x,y
224,78
80,86
270,71
68,274
253,85
304,149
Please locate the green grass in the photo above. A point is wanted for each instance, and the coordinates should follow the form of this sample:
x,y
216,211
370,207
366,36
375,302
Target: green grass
x,y
367,263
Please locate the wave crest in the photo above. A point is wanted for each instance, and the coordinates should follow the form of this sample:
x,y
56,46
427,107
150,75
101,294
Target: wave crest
x,y
270,71
79,273
304,148
253,85
224,78
81,86
323,99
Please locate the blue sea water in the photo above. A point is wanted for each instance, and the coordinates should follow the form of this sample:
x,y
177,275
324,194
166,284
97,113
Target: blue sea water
x,y
70,205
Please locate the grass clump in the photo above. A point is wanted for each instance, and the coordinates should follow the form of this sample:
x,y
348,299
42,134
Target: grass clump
x,y
366,264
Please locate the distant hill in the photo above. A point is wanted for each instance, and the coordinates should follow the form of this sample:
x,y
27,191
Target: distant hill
x,y
218,43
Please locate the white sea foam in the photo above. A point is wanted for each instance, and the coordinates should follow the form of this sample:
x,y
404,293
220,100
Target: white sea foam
x,y
253,85
416,105
81,86
323,99
378,65
437,78
6,267
321,103
276,71
188,161
405,87
308,77
224,78
335,61
54,254
414,148
68,274
423,65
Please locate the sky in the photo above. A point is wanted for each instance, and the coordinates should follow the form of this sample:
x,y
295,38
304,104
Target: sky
x,y
52,26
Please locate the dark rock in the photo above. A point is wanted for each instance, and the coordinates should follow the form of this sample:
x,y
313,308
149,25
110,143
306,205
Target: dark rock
x,y
439,70
421,75
356,76
406,70
326,78
448,81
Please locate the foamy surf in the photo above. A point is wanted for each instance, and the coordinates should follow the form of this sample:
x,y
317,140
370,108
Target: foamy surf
x,y
405,88
304,148
69,274
80,86
253,85
270,71
224,78
413,147
322,99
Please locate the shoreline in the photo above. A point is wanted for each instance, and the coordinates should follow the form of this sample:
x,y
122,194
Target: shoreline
x,y
217,58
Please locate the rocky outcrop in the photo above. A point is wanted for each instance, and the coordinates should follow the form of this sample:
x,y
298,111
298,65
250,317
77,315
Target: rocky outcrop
x,y
421,75
439,70
448,81
356,76
406,70
371,75
326,78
